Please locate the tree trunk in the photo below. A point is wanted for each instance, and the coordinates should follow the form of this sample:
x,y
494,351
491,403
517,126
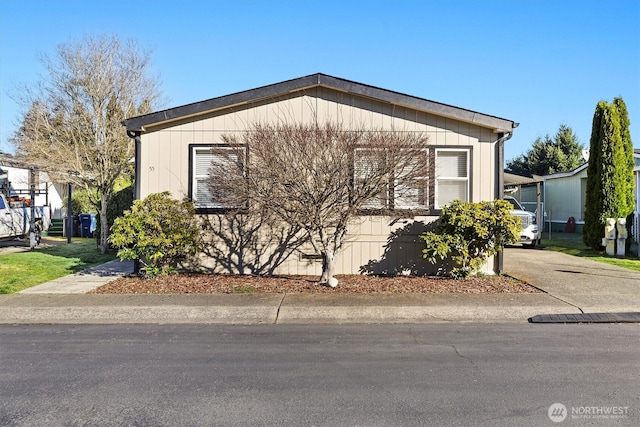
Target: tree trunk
x,y
328,269
104,225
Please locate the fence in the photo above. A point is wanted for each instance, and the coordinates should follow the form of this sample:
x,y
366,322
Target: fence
x,y
635,229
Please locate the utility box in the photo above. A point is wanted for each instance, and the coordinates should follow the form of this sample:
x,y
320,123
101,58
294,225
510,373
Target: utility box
x,y
75,227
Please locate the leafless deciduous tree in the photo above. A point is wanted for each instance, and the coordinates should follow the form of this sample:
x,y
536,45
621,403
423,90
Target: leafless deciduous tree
x,y
318,177
249,243
73,126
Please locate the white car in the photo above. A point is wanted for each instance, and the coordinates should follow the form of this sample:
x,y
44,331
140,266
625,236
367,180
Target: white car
x,y
529,232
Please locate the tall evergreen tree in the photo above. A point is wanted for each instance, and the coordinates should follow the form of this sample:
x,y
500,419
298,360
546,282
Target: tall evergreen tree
x,y
610,171
591,232
629,162
567,142
548,155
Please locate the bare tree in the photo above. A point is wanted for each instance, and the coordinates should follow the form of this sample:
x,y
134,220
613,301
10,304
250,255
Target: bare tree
x,y
319,177
73,126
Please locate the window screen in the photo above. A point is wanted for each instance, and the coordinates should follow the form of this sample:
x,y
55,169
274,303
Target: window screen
x,y
452,176
412,193
204,159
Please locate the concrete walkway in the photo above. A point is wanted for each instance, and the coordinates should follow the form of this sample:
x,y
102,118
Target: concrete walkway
x,y
572,286
84,281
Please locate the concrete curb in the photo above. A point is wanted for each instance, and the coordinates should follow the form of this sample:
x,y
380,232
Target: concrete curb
x,y
416,308
275,309
571,285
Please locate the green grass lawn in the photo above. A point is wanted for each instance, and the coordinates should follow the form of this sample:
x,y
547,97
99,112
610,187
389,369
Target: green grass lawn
x,y
23,270
572,244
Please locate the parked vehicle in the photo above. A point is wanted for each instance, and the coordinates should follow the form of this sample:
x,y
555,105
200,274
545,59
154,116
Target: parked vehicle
x,y
529,233
15,218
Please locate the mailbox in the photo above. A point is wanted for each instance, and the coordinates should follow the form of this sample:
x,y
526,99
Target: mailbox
x,y
609,237
621,225
610,229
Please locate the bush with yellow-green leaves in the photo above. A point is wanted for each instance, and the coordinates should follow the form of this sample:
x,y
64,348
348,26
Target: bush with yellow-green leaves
x,y
469,233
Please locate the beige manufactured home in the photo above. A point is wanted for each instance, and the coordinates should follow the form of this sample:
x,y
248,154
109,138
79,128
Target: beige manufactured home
x,y
173,151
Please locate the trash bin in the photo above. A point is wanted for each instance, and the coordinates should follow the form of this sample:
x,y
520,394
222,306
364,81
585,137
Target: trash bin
x,y
85,225
75,227
93,224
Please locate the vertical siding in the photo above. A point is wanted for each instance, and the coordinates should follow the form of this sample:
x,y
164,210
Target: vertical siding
x,y
163,168
483,167
374,244
176,170
637,175
563,197
148,161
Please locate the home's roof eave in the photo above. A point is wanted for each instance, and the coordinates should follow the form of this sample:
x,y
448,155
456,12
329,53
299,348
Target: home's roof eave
x,y
566,174
142,123
582,167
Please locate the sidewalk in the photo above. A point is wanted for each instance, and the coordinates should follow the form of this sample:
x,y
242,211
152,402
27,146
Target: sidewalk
x,y
572,285
84,281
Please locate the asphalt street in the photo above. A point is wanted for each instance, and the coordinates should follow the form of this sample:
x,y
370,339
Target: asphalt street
x,y
319,375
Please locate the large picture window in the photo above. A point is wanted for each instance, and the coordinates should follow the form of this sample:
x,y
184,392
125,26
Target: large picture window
x,y
448,177
203,159
401,191
451,176
412,193
365,163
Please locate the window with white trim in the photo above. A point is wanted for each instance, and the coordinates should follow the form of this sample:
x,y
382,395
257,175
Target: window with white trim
x,y
203,159
451,176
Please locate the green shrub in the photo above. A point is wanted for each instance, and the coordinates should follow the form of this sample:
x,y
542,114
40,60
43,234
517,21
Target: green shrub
x,y
468,233
159,231
80,203
122,200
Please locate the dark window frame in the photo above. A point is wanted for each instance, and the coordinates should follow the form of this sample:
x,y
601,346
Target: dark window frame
x,y
203,209
387,209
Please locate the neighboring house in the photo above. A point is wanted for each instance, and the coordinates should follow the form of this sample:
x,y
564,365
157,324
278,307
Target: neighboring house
x,y
636,172
564,196
636,221
173,153
14,180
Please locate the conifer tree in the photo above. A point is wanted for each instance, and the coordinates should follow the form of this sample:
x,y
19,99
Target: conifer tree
x,y
610,170
548,155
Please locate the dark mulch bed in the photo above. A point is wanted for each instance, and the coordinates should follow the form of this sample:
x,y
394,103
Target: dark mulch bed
x,y
349,284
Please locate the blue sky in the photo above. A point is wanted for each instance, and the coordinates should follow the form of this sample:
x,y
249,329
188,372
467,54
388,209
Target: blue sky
x,y
540,63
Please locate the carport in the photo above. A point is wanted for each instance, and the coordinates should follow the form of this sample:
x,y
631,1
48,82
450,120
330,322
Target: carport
x,y
528,190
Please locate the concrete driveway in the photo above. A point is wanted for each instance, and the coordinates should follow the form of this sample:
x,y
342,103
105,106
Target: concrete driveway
x,y
588,285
